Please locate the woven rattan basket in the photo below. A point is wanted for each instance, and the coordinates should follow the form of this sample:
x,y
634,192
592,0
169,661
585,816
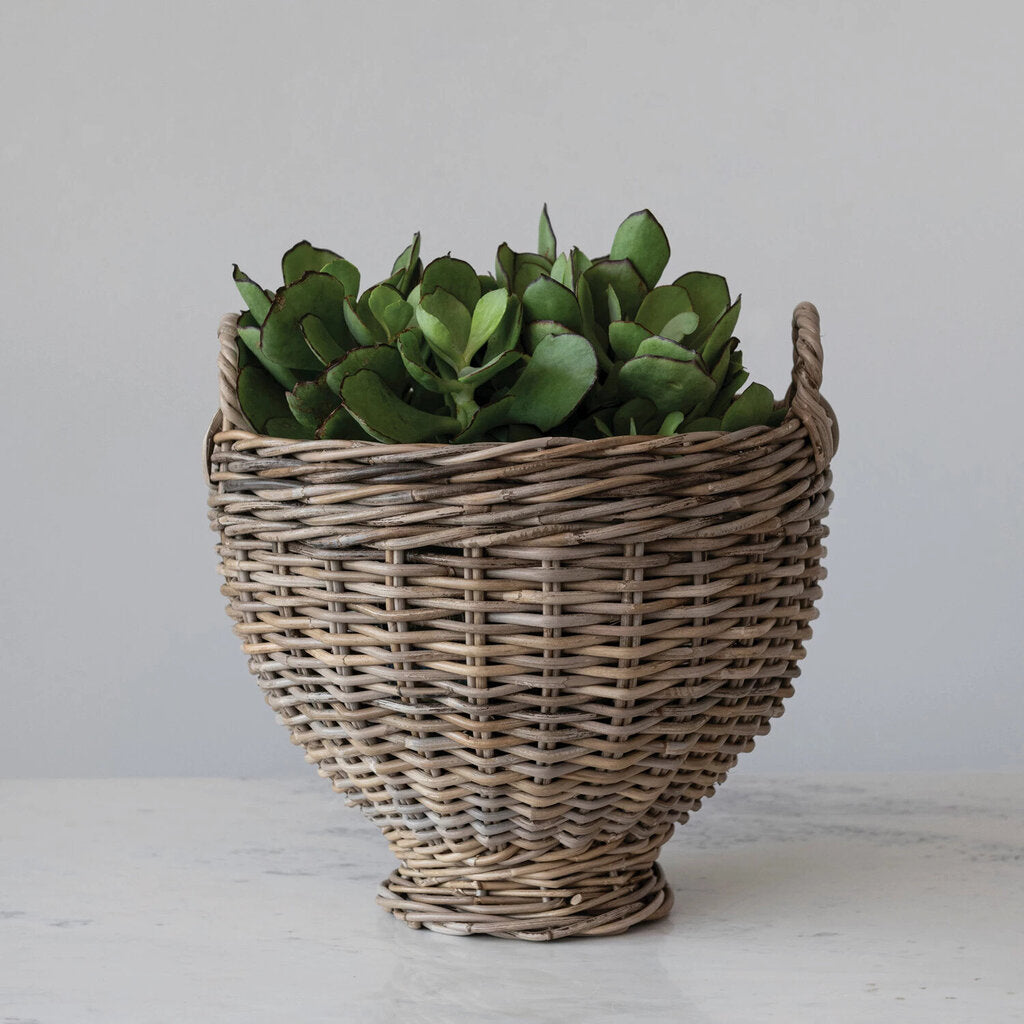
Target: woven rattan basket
x,y
526,662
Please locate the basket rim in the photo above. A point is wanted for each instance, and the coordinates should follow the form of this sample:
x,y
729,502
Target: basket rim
x,y
806,410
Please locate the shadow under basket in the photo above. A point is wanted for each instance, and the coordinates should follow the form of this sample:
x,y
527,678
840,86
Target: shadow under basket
x,y
526,661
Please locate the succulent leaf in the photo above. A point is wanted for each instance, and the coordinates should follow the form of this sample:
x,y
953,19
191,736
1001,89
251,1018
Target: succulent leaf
x,y
717,341
671,423
260,397
455,276
636,415
701,423
311,402
507,334
486,419
663,305
752,408
642,240
546,299
561,271
414,353
474,376
383,415
384,360
319,340
620,277
341,425
525,275
561,371
252,294
657,346
389,309
445,323
404,268
725,393
347,273
249,336
579,263
709,294
301,258
546,244
625,337
671,384
486,319
281,338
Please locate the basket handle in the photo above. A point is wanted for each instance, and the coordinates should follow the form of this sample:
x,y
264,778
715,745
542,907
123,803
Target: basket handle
x,y
232,417
229,415
804,395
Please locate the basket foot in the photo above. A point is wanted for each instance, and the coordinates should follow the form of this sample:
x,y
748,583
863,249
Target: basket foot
x,y
533,895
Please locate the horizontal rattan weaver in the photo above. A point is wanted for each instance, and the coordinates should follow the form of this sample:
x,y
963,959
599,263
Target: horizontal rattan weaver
x,y
526,662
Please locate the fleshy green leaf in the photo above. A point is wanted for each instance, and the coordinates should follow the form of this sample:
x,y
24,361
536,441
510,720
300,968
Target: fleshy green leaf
x,y
405,265
625,337
546,299
560,372
286,426
506,334
319,339
260,397
546,244
638,414
487,317
347,273
455,276
656,346
621,277
709,294
487,418
415,355
474,376
252,294
701,423
526,274
725,393
750,409
301,258
445,323
361,323
505,266
341,425
386,417
281,338
679,327
537,330
561,271
249,336
642,240
720,335
579,263
663,305
671,384
390,310
311,402
670,424
487,284
384,360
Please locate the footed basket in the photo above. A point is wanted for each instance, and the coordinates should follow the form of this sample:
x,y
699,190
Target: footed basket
x,y
526,662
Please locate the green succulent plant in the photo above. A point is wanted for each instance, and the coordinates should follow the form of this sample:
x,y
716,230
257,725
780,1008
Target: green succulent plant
x,y
550,343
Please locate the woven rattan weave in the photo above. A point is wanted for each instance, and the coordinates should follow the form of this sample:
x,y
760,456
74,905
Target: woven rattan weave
x,y
526,662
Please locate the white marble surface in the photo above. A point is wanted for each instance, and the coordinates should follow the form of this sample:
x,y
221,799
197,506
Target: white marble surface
x,y
830,899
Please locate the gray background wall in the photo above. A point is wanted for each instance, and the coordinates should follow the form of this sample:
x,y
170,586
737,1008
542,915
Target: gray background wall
x,y
868,157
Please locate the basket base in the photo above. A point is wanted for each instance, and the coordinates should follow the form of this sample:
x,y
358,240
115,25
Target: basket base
x,y
533,895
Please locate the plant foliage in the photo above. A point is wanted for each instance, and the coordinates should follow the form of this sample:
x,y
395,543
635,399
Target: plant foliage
x,y
550,343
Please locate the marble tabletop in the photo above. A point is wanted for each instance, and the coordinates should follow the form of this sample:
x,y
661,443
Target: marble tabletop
x,y
839,898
